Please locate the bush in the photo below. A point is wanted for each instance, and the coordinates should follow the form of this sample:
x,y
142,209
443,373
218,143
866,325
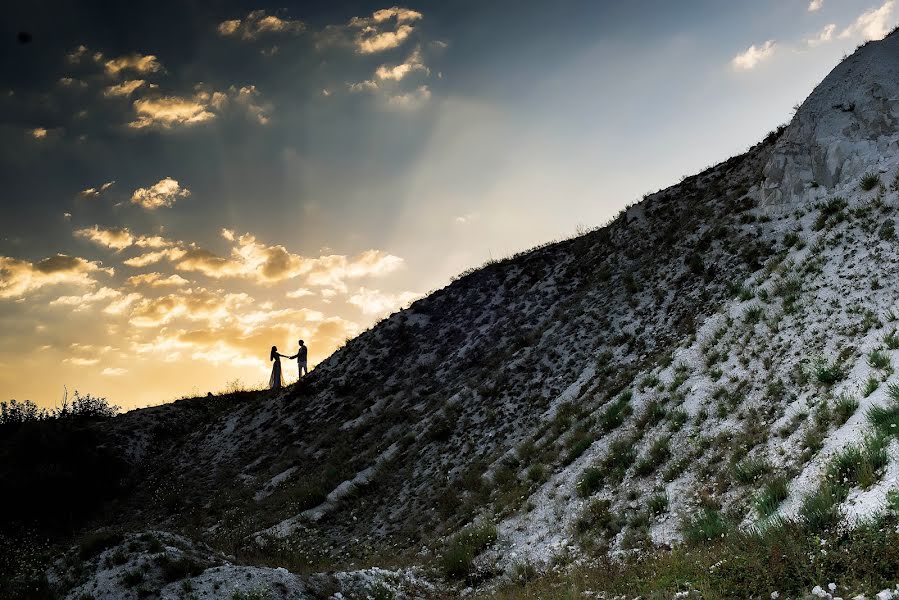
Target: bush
x,y
774,492
658,503
458,558
885,419
877,359
597,516
828,373
859,465
869,181
614,415
590,482
844,408
820,511
871,385
750,469
705,527
658,453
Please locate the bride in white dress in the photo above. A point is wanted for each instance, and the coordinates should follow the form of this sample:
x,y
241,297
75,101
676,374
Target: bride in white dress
x,y
276,381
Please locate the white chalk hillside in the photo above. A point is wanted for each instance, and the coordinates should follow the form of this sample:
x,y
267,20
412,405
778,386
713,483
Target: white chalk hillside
x,y
715,350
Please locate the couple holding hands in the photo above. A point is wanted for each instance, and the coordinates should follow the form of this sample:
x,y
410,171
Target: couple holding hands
x,y
276,381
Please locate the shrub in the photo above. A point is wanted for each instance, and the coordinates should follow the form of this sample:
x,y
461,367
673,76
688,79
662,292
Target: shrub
x,y
705,527
590,482
844,408
658,503
871,385
653,414
891,340
459,555
869,181
828,373
181,568
750,469
753,314
597,516
615,414
820,511
878,360
619,459
774,492
658,453
887,230
885,419
859,465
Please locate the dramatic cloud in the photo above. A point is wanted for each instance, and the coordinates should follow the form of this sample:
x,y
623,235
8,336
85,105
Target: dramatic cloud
x,y
126,88
19,277
38,133
192,304
117,238
96,192
376,302
754,55
398,72
70,82
824,36
872,24
83,301
132,62
386,29
815,5
151,258
257,24
164,193
168,111
157,280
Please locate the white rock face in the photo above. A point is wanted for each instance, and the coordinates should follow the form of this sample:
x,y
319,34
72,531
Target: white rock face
x,y
850,119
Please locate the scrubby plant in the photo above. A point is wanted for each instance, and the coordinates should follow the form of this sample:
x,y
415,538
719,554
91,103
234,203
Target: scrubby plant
x,y
615,414
821,510
458,557
844,407
859,465
658,453
704,527
891,340
753,314
828,373
773,493
870,386
590,482
658,503
750,469
877,359
869,181
597,516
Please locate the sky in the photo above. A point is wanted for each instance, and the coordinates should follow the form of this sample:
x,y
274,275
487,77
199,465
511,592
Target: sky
x,y
186,184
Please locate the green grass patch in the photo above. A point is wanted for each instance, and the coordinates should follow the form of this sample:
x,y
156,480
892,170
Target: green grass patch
x,y
458,557
773,493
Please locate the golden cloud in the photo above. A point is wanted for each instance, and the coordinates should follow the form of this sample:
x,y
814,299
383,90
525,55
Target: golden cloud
x,y
132,62
126,88
257,23
156,280
398,72
96,192
193,304
117,238
83,301
164,193
19,277
168,111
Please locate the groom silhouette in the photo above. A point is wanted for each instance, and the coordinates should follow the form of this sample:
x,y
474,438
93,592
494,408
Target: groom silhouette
x,y
301,359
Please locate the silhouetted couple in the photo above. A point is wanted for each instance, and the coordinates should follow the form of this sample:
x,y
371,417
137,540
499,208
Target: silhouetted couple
x,y
276,380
